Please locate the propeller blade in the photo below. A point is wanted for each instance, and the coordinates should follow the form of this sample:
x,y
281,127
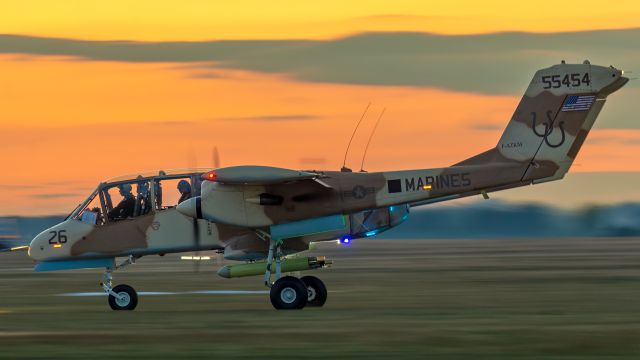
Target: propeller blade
x,y
216,158
196,236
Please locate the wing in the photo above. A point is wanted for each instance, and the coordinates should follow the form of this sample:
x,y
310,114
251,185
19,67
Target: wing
x,y
261,175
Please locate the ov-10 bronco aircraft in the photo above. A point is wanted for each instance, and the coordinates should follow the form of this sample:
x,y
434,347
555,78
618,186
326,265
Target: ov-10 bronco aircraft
x,y
261,215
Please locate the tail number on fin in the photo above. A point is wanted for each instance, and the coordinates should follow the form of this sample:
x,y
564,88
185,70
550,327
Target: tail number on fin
x,y
569,80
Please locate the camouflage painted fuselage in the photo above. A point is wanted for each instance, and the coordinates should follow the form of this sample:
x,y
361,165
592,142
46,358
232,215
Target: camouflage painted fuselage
x,y
539,144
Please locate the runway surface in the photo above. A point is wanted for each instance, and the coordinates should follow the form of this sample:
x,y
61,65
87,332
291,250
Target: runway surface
x,y
437,299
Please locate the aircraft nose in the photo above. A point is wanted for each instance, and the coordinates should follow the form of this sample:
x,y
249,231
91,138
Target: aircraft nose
x,y
191,207
35,248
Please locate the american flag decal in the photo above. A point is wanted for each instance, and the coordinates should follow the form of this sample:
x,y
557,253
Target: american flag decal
x,y
578,102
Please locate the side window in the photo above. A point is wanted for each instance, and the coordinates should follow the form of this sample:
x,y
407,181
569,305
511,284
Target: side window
x,y
127,200
171,192
92,213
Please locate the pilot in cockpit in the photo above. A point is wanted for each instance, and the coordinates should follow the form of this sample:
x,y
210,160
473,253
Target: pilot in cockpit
x,y
185,190
126,206
143,200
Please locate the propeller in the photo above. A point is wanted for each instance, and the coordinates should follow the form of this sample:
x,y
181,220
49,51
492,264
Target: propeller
x,y
193,163
215,158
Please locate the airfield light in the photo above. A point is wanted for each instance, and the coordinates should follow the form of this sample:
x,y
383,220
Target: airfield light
x,y
196,258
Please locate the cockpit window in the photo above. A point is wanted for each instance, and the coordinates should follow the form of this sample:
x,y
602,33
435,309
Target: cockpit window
x,y
173,192
127,200
139,196
91,213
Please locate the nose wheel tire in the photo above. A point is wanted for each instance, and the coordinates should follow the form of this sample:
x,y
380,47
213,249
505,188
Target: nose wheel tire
x,y
288,293
316,291
127,298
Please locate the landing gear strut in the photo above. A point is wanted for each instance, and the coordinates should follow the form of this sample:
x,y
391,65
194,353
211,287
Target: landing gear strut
x,y
121,297
289,292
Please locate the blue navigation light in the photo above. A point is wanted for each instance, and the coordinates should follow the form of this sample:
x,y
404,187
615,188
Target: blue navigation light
x,y
345,239
371,233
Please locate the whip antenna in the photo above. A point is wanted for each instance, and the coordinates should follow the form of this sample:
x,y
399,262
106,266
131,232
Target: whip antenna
x,y
375,127
344,163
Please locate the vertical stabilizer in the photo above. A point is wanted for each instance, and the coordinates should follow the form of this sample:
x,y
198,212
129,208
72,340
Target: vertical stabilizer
x,y
553,119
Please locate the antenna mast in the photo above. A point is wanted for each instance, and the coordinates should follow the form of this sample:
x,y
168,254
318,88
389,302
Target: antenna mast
x,y
375,127
344,162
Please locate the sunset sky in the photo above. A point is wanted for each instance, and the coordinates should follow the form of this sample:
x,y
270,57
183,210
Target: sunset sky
x,y
92,90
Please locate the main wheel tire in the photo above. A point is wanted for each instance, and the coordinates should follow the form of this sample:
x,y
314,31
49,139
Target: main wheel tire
x,y
317,292
128,298
288,293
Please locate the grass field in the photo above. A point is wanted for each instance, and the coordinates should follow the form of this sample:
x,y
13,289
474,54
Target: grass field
x,y
454,299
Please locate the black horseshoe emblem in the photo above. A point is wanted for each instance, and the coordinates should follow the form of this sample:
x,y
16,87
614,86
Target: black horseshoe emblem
x,y
548,129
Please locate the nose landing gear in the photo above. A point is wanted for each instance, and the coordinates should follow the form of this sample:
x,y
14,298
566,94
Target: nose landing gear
x,y
121,297
125,298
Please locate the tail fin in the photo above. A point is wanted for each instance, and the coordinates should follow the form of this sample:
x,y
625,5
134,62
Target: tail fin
x,y
553,119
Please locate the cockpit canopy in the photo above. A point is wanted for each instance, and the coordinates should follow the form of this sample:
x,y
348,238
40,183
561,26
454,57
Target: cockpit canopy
x,y
136,195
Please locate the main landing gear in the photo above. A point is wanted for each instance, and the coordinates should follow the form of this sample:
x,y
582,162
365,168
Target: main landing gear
x,y
289,292
121,297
